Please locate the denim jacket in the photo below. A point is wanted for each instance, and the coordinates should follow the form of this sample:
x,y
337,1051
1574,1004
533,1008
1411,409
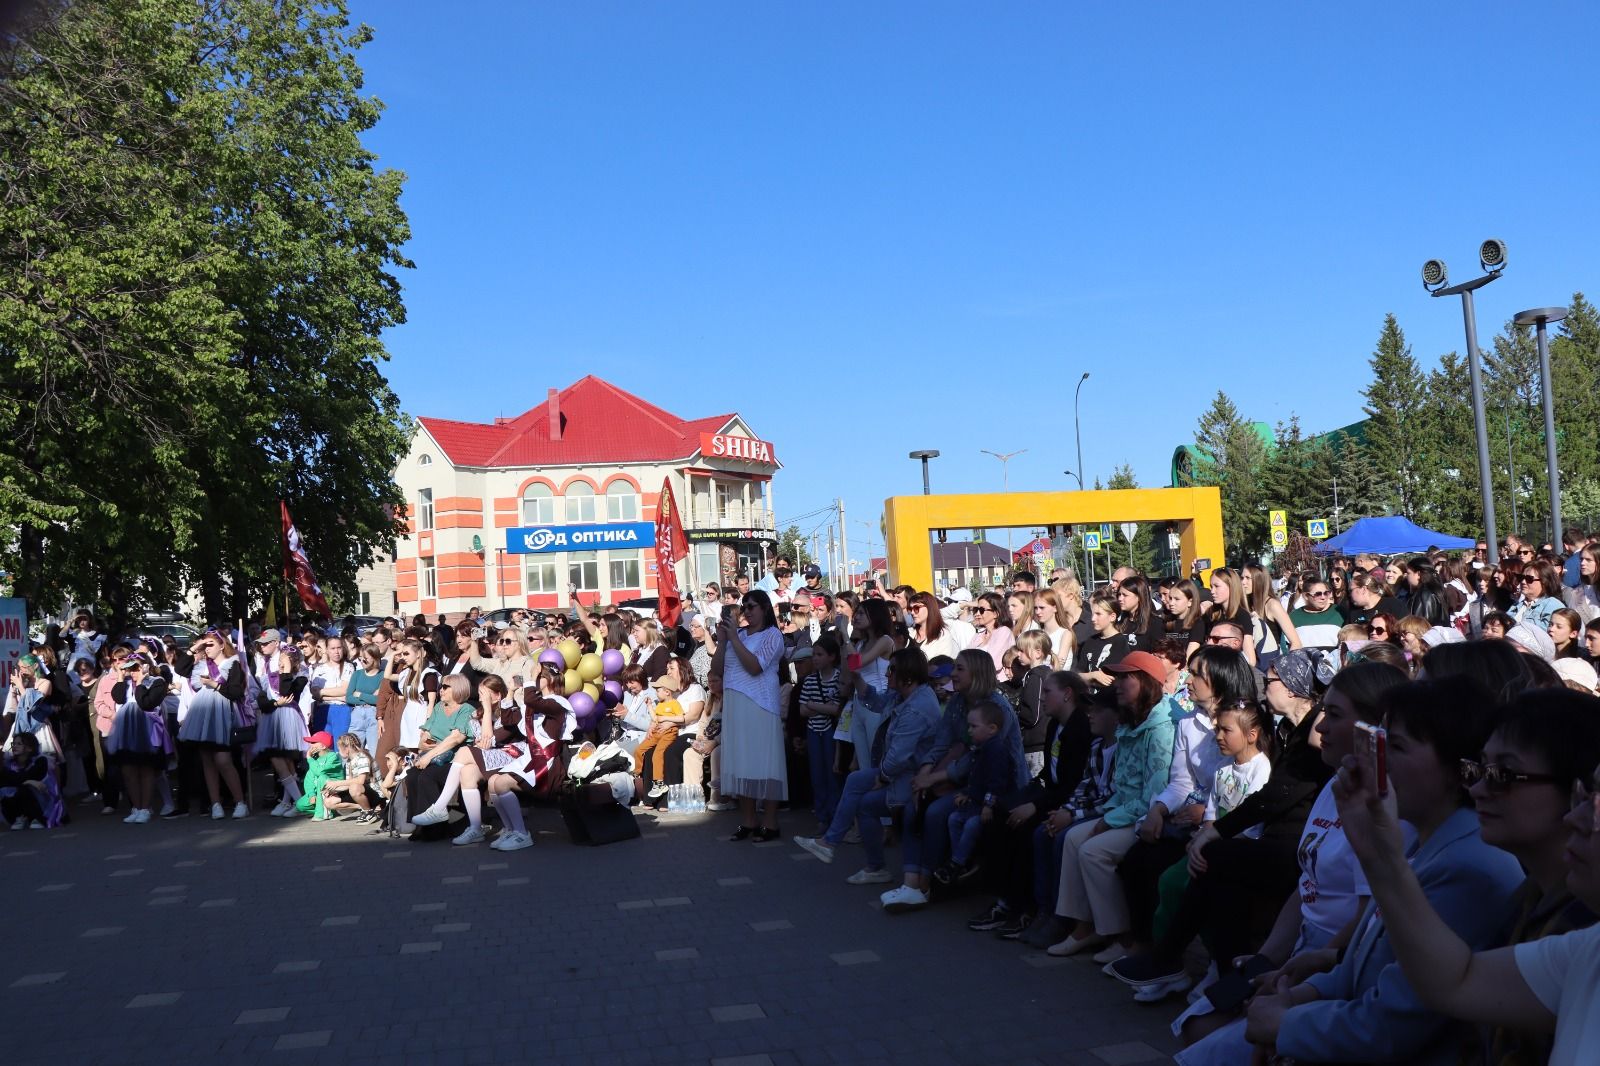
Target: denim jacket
x,y
953,730
909,726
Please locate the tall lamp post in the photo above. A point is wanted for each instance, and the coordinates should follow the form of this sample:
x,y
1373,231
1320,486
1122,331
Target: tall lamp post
x,y
1538,318
1077,432
1005,483
925,454
1435,278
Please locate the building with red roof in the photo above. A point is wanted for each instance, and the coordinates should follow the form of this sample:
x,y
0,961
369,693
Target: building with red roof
x,y
518,511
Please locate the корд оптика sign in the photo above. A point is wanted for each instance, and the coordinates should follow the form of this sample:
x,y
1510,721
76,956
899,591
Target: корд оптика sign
x,y
535,540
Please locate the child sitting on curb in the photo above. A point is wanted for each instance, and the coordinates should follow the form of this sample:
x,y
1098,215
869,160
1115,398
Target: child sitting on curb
x,y
353,786
322,765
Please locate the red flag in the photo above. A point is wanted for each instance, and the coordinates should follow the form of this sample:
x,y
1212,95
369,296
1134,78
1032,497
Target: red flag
x,y
670,547
297,568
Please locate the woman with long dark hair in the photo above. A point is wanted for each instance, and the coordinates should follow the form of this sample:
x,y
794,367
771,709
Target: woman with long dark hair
x,y
753,762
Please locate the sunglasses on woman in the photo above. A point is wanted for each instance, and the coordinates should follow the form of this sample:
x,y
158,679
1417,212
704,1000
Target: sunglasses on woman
x,y
1497,778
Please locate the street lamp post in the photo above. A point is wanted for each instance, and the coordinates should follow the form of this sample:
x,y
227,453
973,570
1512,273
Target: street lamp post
x,y
1539,317
1005,483
1492,257
1077,431
925,454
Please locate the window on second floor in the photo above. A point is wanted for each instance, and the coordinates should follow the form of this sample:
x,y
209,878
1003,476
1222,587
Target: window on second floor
x,y
538,506
580,503
424,509
622,503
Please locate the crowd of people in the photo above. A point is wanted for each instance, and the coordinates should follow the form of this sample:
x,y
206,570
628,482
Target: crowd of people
x,y
1224,790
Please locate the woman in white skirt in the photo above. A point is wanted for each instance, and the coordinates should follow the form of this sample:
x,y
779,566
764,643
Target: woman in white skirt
x,y
281,728
218,684
753,765
418,682
139,741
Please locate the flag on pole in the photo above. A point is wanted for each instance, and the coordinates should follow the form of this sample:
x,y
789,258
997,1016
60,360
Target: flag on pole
x,y
297,568
671,545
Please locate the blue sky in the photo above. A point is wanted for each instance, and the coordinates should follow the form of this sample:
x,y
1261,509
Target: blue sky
x,y
877,227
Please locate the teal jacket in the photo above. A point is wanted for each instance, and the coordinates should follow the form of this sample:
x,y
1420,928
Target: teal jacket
x,y
1144,756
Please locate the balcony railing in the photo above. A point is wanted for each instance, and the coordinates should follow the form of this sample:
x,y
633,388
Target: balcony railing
x,y
733,516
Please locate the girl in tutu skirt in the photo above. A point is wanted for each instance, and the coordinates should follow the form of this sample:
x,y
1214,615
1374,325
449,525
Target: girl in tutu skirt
x,y
139,741
281,729
418,682
218,683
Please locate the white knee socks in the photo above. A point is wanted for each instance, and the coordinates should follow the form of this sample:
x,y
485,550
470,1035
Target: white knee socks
x,y
291,789
510,811
472,801
452,785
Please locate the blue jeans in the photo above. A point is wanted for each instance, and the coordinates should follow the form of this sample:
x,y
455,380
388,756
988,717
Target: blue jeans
x,y
824,788
364,724
965,824
1046,867
864,805
925,850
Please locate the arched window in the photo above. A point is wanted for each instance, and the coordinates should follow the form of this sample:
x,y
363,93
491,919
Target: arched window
x,y
580,502
424,460
538,505
622,503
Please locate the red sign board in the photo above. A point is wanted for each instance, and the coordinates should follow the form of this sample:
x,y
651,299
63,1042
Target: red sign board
x,y
740,449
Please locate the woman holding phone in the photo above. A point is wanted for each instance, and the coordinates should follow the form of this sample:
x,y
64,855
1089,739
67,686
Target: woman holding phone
x,y
753,760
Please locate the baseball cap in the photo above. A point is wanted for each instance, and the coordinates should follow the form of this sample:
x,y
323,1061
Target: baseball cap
x,y
1140,662
268,636
812,570
322,737
1579,671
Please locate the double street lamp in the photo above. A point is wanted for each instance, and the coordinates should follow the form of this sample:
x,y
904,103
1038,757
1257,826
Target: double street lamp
x,y
1435,278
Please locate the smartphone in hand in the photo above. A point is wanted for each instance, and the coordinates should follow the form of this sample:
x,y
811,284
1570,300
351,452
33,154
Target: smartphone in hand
x,y
1376,739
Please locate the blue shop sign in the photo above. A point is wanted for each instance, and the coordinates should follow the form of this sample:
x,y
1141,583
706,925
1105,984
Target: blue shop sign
x,y
539,540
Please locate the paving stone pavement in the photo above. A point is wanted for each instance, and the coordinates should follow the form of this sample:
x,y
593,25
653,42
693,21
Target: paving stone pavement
x,y
205,942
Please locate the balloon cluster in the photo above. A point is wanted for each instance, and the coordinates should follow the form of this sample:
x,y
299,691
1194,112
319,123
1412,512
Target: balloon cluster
x,y
589,681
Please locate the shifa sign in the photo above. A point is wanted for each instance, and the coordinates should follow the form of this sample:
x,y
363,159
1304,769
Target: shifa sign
x,y
745,449
537,540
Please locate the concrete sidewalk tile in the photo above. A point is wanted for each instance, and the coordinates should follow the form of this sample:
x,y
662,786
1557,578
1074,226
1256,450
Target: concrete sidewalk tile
x,y
772,926
122,857
674,954
341,919
166,901
452,927
327,869
301,1041
734,882
55,888
226,901
103,930
635,904
261,1014
127,871
298,966
673,901
161,889
398,854
463,879
188,864
508,882
738,1012
38,979
855,958
421,947
154,999
743,1060
422,908
487,866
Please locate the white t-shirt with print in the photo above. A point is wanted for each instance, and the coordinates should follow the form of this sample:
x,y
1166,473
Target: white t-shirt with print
x,y
1330,876
1564,973
1233,782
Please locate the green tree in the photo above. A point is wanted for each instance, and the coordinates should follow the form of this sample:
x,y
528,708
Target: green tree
x,y
1575,374
197,260
1233,456
1399,433
792,545
1451,484
1513,402
1142,554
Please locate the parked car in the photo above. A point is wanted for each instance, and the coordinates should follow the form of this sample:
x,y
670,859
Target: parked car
x,y
182,634
643,605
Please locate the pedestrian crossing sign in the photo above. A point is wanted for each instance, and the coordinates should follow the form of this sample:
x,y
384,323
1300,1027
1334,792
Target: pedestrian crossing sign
x,y
1317,529
1091,542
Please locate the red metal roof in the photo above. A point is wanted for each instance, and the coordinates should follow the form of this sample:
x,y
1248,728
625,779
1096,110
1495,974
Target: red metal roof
x,y
600,423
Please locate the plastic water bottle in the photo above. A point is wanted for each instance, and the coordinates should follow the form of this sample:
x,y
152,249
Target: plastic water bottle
x,y
675,799
699,799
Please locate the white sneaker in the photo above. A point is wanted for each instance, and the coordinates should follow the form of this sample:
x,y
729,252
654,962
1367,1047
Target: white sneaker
x,y
904,898
108,809
216,812
869,877
290,811
142,817
473,834
514,842
1110,953
239,811
168,810
22,823
432,816
279,811
36,824
817,848
131,819
1160,990
720,805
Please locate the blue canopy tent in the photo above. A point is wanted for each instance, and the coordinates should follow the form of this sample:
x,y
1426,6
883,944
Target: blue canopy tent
x,y
1390,535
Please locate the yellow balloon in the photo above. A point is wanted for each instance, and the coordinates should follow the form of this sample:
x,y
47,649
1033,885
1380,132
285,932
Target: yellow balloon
x,y
593,690
590,667
570,652
572,682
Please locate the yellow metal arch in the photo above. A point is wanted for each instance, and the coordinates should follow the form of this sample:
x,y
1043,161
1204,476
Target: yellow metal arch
x,y
910,520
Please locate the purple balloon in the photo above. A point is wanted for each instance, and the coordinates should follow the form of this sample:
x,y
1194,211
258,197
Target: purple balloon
x,y
583,705
550,655
611,693
611,662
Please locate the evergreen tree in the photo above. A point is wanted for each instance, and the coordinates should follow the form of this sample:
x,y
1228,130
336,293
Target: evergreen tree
x,y
1513,401
1575,370
1142,555
1233,457
1453,503
1399,434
